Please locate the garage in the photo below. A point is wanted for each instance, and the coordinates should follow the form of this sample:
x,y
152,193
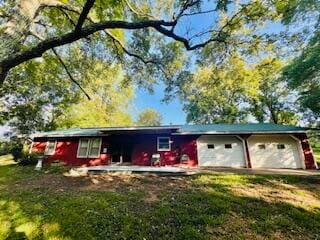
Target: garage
x,y
274,151
220,151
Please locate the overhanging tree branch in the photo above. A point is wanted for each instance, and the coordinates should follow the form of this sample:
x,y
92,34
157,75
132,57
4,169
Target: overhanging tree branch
x,y
83,15
81,31
37,51
69,74
64,66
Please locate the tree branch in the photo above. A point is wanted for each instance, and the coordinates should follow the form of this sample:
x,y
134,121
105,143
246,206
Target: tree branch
x,y
37,51
136,12
116,40
69,74
83,15
64,66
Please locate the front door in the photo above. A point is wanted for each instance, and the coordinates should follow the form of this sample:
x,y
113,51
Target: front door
x,y
121,151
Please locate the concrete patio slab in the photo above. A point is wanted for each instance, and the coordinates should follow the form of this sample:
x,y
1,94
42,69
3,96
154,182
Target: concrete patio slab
x,y
133,169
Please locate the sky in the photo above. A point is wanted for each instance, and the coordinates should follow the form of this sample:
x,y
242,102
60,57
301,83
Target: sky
x,y
172,112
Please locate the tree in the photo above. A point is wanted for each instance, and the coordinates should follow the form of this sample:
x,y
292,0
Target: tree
x,y
235,90
303,72
214,94
34,101
149,117
110,100
31,28
274,102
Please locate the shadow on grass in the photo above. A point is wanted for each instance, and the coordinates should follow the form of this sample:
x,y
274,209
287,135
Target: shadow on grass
x,y
204,208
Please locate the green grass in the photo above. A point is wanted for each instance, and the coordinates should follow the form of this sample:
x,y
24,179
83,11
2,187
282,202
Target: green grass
x,y
316,152
49,205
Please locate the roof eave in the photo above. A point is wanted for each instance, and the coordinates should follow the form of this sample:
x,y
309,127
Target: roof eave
x,y
244,132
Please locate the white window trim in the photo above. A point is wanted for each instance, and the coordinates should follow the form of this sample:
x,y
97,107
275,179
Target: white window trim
x,y
90,143
163,149
88,148
54,148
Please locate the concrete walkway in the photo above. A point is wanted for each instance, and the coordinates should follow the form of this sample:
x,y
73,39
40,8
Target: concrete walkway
x,y
262,171
193,170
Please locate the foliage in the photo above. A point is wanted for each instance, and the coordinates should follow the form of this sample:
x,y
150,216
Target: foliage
x,y
235,90
111,94
149,117
29,159
212,95
32,100
14,146
274,101
303,74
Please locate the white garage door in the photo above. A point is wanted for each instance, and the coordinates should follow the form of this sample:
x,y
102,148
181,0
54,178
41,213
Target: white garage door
x,y
274,151
220,151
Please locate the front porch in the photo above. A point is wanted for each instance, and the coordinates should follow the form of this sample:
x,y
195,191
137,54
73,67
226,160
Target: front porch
x,y
131,169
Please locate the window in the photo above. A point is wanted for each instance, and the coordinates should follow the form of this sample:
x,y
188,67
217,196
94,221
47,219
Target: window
x,y
50,148
163,144
89,147
94,150
262,146
210,146
281,146
228,146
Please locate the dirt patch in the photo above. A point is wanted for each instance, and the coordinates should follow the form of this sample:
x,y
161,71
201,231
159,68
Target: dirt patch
x,y
150,184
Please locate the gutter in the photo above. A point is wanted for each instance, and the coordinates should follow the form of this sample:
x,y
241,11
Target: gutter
x,y
229,132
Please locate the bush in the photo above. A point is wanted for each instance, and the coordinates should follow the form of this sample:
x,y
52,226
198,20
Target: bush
x,y
30,159
14,147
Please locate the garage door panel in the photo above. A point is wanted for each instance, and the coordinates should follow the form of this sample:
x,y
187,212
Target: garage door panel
x,y
271,156
219,155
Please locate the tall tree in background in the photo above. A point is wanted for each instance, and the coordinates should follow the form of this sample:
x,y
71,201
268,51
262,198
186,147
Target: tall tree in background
x,y
236,90
110,94
214,94
41,97
34,95
274,102
149,117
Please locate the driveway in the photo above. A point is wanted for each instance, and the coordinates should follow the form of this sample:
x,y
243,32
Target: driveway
x,y
262,171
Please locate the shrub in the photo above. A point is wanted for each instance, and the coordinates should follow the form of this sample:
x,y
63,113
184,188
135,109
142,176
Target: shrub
x,y
14,147
29,159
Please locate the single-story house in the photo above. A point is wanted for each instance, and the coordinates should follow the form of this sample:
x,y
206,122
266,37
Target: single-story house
x,y
218,145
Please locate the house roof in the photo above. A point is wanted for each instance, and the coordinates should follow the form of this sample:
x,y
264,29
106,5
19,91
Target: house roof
x,y
239,128
258,128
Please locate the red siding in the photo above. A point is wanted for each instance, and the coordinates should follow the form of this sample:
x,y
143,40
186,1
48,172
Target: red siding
x,y
66,151
146,145
143,146
308,156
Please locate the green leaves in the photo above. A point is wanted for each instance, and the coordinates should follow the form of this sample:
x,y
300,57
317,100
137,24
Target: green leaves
x,y
149,117
111,95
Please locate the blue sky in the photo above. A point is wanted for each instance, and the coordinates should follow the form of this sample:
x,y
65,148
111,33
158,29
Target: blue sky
x,y
172,112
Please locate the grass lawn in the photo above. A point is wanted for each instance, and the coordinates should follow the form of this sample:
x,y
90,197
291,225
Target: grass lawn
x,y
49,205
316,152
